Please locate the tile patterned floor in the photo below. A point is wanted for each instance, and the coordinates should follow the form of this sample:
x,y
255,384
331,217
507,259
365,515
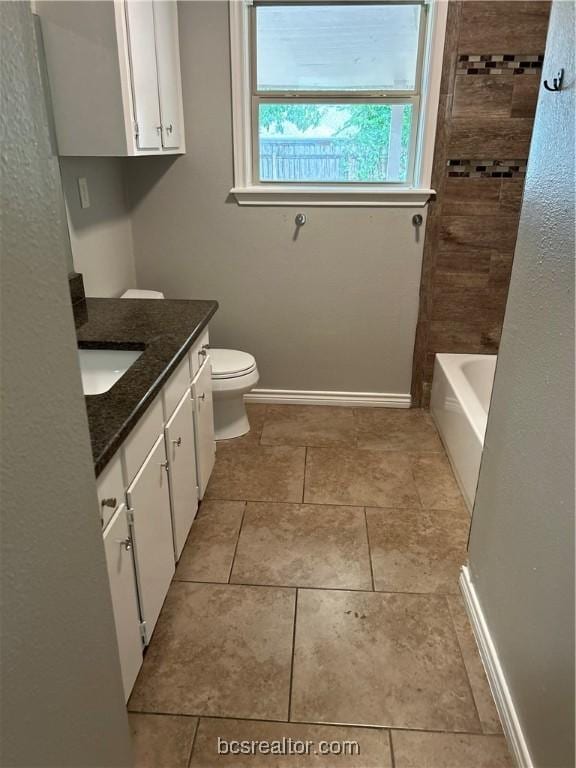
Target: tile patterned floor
x,y
317,600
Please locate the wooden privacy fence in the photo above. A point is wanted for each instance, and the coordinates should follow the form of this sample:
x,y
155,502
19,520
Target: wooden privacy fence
x,y
310,160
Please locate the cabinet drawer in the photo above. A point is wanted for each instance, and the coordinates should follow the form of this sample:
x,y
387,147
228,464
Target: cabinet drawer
x,y
198,354
110,489
175,388
139,443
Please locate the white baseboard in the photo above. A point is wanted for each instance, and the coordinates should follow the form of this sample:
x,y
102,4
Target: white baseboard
x,y
303,397
494,672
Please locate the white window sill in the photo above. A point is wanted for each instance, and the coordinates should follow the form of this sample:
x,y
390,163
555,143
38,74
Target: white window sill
x,y
340,196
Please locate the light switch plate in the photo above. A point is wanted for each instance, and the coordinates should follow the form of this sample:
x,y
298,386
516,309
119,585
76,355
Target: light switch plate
x,y
83,190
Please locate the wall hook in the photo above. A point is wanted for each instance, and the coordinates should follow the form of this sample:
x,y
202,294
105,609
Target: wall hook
x,y
556,82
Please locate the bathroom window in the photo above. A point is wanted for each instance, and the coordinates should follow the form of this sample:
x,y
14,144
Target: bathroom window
x,y
329,99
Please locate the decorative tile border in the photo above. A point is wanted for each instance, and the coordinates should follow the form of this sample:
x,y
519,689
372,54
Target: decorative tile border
x,y
499,64
487,169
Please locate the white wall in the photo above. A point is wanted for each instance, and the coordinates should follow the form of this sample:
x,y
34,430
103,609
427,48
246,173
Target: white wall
x,y
335,309
101,235
61,698
522,539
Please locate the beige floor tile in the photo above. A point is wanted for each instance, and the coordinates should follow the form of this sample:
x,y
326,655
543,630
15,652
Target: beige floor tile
x,y
308,425
401,429
415,550
435,482
362,747
257,473
379,659
480,688
449,750
219,650
303,546
360,478
162,741
209,551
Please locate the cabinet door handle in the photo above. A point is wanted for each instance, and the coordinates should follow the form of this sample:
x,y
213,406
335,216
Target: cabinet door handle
x,y
126,543
169,128
110,502
164,465
202,396
203,352
178,442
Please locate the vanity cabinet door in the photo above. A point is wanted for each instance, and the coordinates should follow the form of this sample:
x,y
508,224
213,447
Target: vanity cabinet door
x,y
204,425
179,434
120,562
149,505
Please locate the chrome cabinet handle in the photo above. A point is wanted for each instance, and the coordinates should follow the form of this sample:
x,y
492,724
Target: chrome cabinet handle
x,y
169,128
203,352
178,442
127,544
110,502
164,465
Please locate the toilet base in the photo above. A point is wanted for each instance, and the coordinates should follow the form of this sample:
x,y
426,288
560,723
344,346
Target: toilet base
x,y
230,419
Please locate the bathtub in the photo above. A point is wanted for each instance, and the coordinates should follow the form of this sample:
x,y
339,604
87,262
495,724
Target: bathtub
x,y
461,390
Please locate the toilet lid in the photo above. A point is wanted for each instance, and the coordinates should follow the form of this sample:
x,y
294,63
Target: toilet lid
x,y
227,363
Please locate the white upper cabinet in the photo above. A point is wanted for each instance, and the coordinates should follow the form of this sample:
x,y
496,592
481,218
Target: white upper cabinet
x,y
114,70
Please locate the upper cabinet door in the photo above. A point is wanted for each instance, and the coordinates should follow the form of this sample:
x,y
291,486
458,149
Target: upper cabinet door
x,y
144,74
168,63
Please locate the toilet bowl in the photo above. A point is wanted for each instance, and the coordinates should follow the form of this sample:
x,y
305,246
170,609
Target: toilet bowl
x,y
234,374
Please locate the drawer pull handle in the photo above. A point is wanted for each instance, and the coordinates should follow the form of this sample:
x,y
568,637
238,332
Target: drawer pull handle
x,y
178,442
110,502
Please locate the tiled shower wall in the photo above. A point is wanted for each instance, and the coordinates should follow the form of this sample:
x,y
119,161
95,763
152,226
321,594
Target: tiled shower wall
x,y
493,60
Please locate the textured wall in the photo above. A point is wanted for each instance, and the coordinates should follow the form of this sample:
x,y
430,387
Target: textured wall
x,y
62,701
522,539
491,73
101,236
333,310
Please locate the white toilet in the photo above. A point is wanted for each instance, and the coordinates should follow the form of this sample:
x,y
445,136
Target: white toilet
x,y
234,374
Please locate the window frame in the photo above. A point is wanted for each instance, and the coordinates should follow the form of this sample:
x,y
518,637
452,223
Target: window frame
x,y
249,190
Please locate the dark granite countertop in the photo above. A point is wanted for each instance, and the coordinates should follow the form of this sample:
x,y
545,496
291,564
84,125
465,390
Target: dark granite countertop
x,y
164,329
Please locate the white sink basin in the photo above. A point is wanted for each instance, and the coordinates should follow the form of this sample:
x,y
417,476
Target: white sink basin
x,y
102,368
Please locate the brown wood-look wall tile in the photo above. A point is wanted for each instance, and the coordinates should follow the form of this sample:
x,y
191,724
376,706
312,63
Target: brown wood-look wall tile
x,y
482,96
494,232
475,261
491,138
450,47
471,196
525,96
511,193
498,26
457,296
473,337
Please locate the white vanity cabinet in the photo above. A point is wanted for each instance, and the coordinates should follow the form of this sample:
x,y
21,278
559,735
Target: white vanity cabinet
x,y
148,498
180,447
114,71
150,519
120,563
